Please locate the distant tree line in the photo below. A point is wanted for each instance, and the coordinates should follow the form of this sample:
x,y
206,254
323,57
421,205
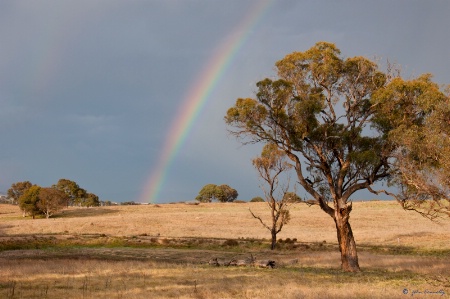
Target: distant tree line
x,y
35,200
129,203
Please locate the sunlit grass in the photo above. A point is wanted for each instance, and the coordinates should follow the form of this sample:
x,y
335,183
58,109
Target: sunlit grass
x,y
63,278
162,252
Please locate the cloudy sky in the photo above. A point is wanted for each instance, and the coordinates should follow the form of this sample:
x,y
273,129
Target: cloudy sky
x,y
90,89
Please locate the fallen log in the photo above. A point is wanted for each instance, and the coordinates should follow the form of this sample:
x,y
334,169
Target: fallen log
x,y
252,262
239,263
265,264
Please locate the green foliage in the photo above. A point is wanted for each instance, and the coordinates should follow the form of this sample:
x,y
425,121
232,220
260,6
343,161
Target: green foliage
x,y
34,200
257,199
37,200
406,104
128,203
222,193
414,116
17,190
77,195
72,190
91,200
345,126
319,112
51,200
225,193
28,202
207,193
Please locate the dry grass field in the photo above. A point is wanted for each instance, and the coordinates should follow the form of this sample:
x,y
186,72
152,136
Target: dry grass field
x,y
161,251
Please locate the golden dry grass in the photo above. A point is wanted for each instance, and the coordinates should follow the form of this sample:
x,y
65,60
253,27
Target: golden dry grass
x,y
373,222
380,228
131,279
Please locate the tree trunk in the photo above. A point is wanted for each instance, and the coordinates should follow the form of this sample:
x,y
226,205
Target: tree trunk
x,y
274,240
347,245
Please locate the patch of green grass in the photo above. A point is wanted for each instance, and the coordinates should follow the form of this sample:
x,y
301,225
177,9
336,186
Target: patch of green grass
x,y
403,250
232,245
40,243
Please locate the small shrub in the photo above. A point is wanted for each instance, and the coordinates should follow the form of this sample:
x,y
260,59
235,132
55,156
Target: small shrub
x,y
257,199
290,246
230,242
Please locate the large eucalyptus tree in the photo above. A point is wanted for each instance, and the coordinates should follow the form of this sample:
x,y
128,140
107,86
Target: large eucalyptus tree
x,y
331,117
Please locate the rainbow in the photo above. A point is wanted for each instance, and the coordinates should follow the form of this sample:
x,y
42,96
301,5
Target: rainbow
x,y
196,98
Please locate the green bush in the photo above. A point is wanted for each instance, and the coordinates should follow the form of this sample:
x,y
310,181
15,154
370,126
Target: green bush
x,y
257,199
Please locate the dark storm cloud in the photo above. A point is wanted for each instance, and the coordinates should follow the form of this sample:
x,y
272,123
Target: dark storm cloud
x,y
88,89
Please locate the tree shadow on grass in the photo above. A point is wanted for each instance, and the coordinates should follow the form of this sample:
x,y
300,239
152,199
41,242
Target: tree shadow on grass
x,y
84,212
4,227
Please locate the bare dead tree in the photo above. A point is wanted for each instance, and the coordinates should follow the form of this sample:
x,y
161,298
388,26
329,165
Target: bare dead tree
x,y
270,166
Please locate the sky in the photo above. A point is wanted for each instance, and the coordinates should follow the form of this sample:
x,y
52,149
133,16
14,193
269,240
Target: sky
x,y
127,98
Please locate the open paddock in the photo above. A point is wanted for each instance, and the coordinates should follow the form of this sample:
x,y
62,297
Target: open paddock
x,y
162,251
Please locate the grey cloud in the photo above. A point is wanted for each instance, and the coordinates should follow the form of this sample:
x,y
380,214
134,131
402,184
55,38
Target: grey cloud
x,y
89,89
